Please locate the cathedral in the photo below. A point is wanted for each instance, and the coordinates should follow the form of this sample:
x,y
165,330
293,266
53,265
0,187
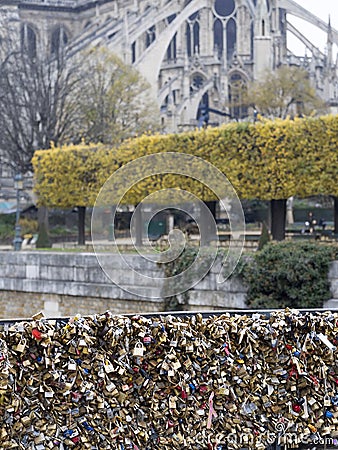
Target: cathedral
x,y
195,54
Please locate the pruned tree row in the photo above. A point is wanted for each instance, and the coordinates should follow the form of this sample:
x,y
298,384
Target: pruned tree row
x,y
270,160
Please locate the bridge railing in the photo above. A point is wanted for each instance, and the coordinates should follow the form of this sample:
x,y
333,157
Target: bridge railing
x,y
204,314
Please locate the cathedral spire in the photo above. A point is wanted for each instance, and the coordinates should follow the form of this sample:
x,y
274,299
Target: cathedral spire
x,y
262,22
262,40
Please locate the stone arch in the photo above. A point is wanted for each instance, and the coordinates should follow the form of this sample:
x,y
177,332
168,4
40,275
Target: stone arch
x,y
237,82
171,85
192,103
293,8
59,38
150,36
28,39
156,52
231,38
218,35
196,37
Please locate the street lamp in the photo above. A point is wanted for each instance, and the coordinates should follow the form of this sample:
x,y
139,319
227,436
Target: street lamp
x,y
18,185
255,114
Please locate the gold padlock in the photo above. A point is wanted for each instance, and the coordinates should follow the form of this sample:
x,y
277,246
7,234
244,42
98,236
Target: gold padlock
x,y
21,346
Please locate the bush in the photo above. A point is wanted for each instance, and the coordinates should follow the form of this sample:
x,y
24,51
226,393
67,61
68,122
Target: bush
x,y
289,274
7,224
28,226
180,264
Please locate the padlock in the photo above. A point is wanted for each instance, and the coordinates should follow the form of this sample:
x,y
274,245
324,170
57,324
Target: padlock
x,y
171,380
138,349
72,366
108,367
327,400
21,346
172,402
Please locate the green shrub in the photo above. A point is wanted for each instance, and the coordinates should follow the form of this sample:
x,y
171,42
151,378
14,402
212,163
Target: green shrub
x,y
7,224
289,274
179,265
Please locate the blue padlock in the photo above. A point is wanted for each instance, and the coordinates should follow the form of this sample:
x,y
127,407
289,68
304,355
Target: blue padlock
x,y
192,387
68,433
87,426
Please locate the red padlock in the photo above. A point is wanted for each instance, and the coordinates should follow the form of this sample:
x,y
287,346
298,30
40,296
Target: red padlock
x,y
203,389
170,424
297,408
184,394
36,334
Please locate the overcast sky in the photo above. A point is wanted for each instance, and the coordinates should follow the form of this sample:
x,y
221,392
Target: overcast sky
x,y
322,9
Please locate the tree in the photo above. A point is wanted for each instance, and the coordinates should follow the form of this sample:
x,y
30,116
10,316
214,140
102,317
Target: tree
x,y
63,98
72,176
271,160
114,100
285,92
37,104
113,103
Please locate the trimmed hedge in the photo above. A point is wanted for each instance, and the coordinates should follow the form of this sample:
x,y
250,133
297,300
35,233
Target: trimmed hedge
x,y
268,160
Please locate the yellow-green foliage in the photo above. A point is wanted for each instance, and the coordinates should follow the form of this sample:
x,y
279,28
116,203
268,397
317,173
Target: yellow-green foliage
x,y
72,175
266,160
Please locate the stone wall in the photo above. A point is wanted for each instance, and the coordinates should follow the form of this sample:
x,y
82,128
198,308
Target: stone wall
x,y
64,284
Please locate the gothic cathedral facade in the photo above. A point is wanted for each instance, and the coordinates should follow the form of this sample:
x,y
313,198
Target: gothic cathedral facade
x,y
196,54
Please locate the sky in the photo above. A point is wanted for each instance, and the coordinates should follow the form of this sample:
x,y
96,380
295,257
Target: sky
x,y
322,9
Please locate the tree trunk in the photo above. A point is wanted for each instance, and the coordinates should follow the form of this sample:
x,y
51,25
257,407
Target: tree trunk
x,y
278,217
43,240
205,226
111,229
81,240
212,206
138,226
335,214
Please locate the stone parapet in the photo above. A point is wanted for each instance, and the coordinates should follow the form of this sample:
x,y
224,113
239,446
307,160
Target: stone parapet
x,y
64,284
